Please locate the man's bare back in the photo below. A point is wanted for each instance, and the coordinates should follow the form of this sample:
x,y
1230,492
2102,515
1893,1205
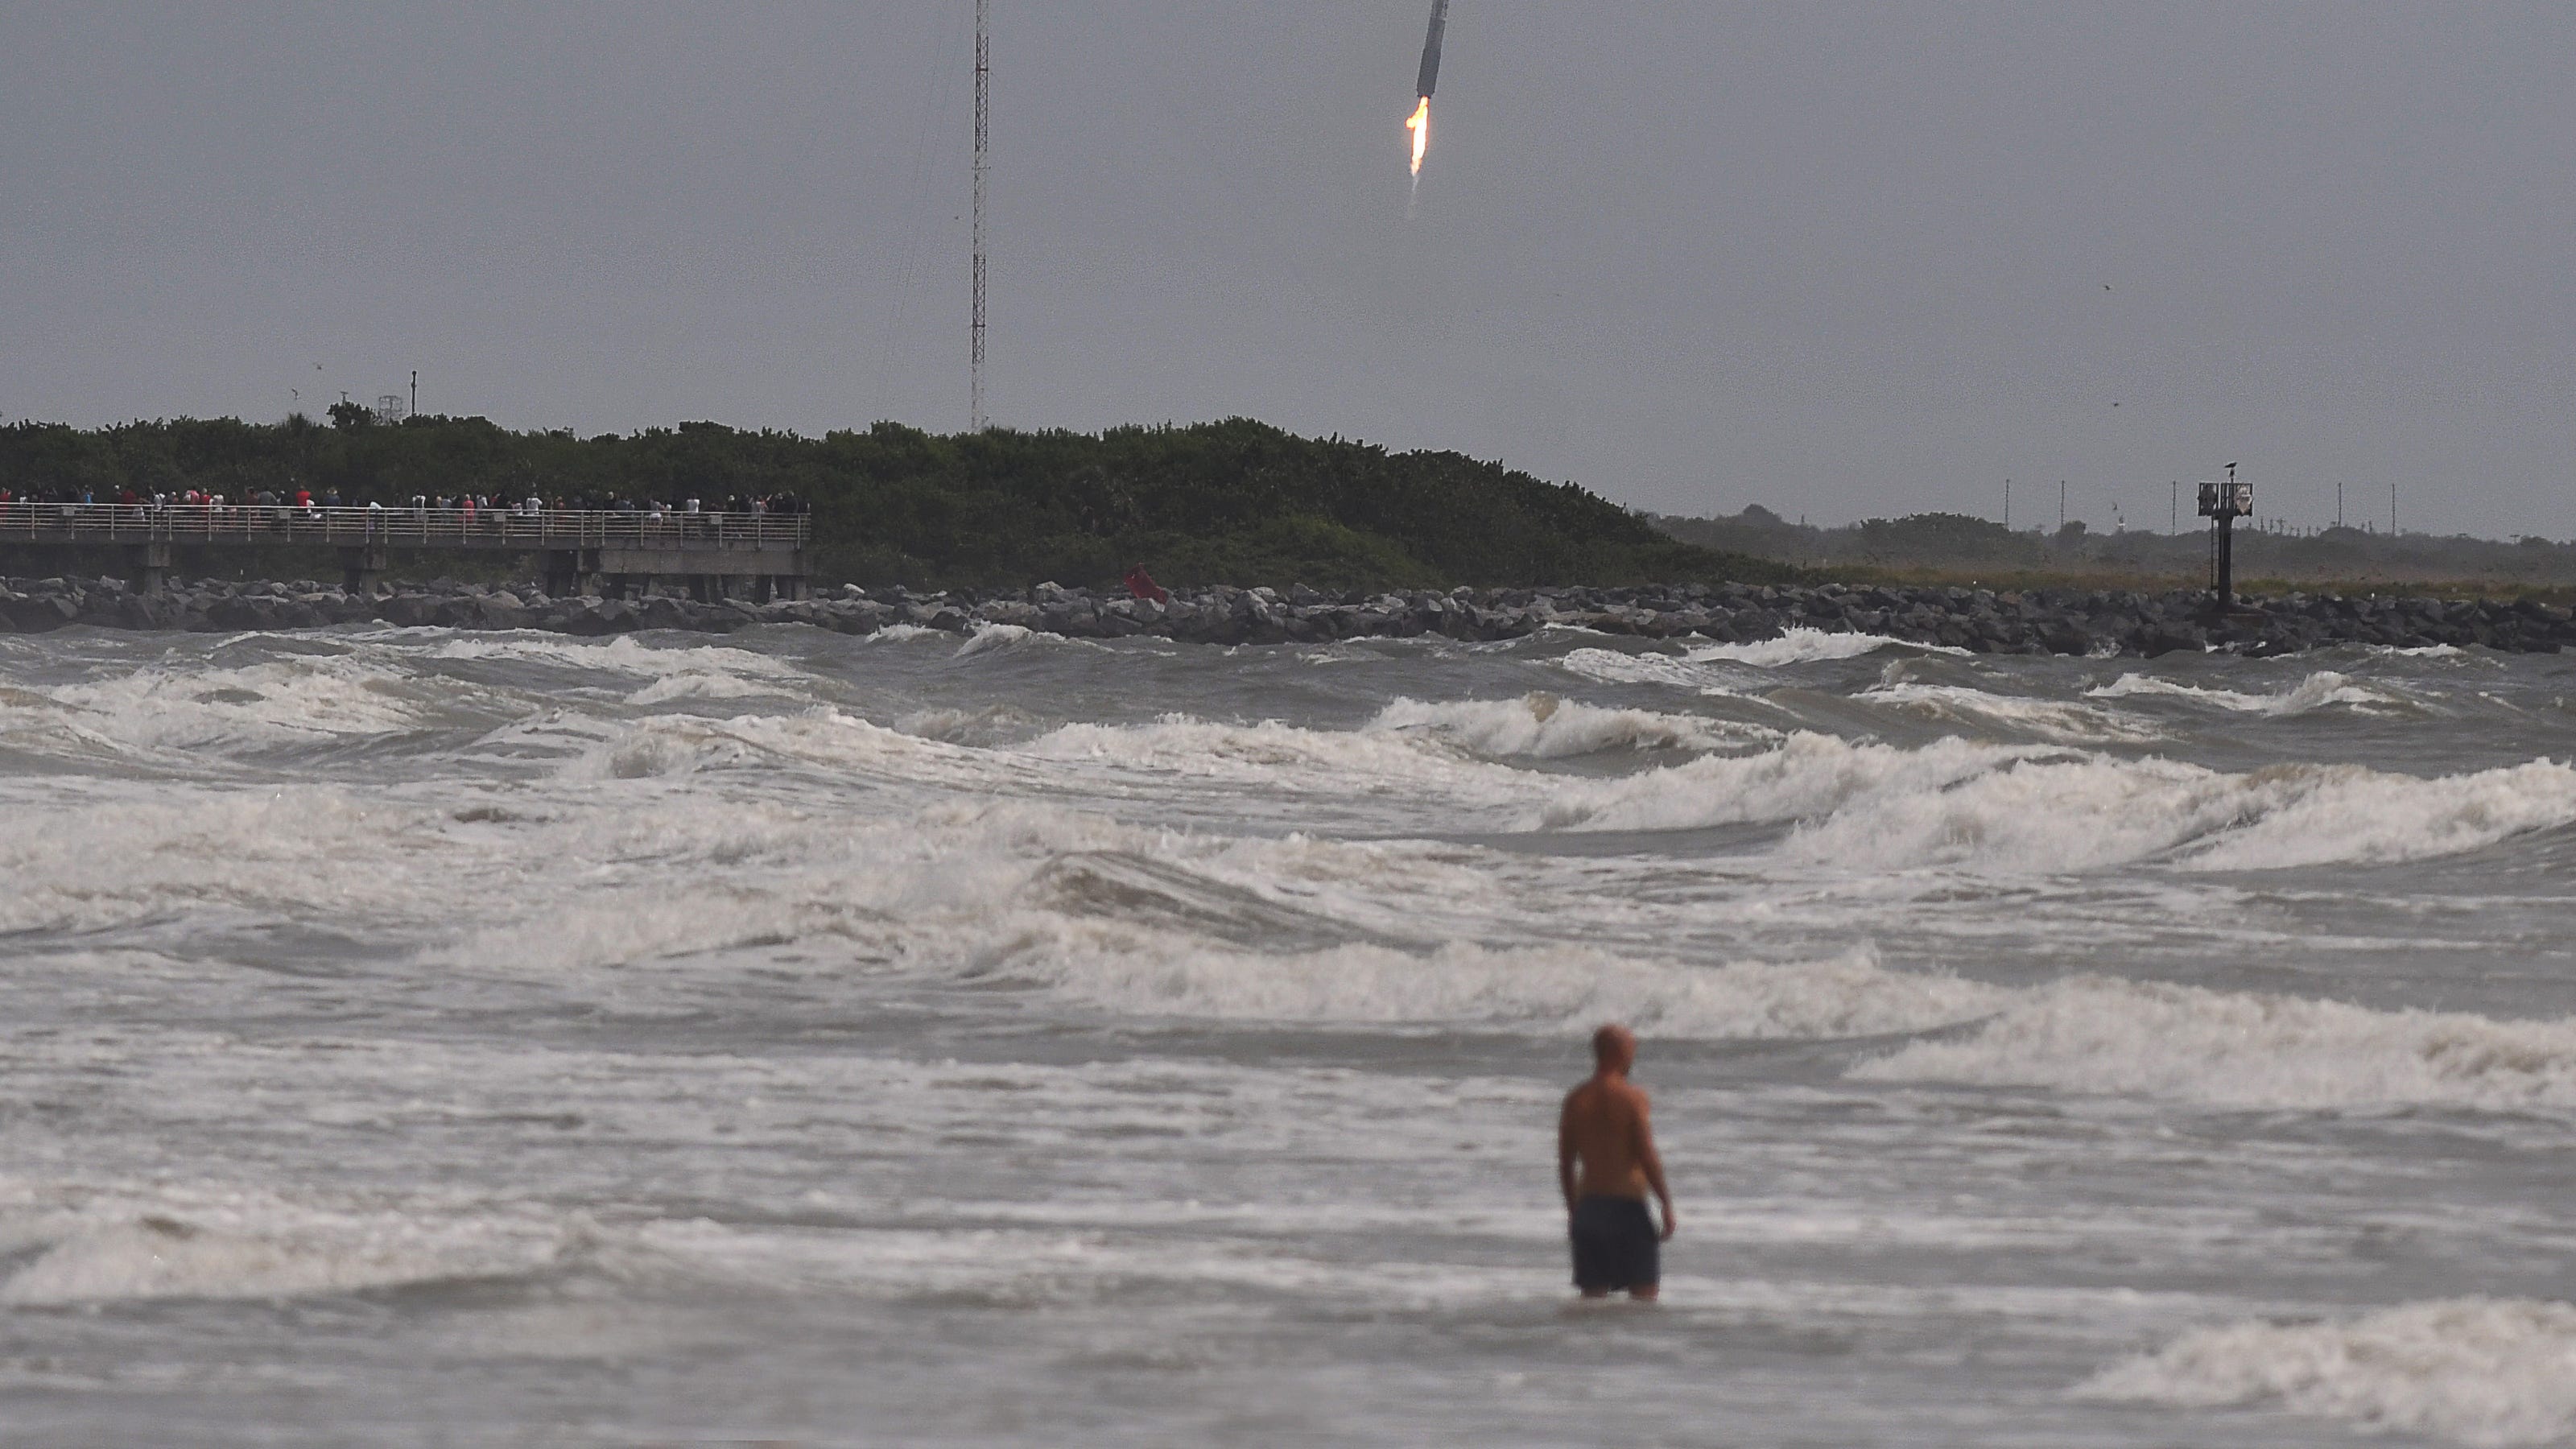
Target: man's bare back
x,y
1606,1164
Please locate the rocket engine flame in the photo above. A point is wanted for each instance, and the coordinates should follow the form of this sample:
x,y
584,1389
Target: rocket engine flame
x,y
1420,123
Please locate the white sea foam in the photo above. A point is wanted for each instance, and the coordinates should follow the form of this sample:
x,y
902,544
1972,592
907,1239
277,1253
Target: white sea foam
x,y
852,750
1809,776
617,653
2037,809
2339,813
1282,757
1611,666
1729,668
2061,720
374,688
295,699
995,724
2104,1035
672,687
285,854
2478,1371
231,1252
989,637
2090,1035
2091,812
2318,690
1184,764
1808,646
1545,726
1538,988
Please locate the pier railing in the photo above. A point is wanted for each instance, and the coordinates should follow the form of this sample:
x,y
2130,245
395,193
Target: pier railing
x,y
403,527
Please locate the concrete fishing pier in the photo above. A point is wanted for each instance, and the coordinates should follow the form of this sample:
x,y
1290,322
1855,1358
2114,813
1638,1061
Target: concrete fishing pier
x,y
615,553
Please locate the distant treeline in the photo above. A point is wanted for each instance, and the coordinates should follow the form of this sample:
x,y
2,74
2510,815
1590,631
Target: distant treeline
x,y
1956,543
1226,502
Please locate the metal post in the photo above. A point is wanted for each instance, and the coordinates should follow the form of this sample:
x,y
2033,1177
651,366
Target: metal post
x,y
2007,505
983,143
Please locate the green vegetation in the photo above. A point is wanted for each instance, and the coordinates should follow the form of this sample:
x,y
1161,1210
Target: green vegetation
x,y
1228,502
1951,548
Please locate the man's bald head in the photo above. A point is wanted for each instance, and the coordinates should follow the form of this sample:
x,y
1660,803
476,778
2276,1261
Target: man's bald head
x,y
1614,1048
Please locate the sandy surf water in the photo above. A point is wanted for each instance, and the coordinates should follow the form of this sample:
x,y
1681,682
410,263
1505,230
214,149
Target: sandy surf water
x,y
424,1038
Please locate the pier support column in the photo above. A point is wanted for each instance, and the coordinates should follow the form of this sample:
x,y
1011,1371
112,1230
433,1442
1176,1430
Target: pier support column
x,y
564,573
147,566
362,567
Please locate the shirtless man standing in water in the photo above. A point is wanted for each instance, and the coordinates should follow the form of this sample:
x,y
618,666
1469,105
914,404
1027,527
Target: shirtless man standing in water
x,y
1606,1163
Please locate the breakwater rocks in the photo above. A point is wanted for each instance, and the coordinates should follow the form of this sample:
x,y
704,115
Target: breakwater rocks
x,y
2048,621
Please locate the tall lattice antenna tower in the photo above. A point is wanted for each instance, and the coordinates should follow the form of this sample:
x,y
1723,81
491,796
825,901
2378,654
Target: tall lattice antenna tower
x,y
983,153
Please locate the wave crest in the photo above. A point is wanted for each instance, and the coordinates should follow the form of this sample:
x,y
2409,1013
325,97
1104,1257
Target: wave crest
x,y
2478,1371
2318,690
2107,1036
2037,809
1543,726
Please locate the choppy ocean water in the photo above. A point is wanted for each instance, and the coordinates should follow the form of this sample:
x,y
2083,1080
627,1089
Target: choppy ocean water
x,y
427,1038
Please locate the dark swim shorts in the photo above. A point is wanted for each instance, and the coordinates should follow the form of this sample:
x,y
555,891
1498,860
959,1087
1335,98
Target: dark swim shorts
x,y
1615,1246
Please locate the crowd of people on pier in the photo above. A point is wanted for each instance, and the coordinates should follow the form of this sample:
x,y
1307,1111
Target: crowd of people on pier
x,y
291,501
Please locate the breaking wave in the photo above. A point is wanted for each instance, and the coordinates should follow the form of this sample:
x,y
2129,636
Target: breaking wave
x,y
2064,721
2318,690
300,699
236,1254
2106,1036
1545,989
1728,668
617,653
1610,666
1809,646
2021,808
1543,726
2478,1371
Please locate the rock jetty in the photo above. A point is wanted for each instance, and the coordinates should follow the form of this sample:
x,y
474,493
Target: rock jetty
x,y
1983,621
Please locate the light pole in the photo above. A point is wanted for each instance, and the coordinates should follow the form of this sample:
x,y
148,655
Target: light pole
x,y
983,148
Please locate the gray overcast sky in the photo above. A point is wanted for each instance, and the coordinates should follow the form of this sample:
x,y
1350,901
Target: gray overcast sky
x,y
1842,260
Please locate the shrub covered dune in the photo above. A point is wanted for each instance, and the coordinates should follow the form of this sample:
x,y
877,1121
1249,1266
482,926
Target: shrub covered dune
x,y
1234,502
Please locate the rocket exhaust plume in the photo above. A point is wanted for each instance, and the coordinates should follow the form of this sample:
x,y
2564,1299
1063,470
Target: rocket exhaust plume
x,y
1424,83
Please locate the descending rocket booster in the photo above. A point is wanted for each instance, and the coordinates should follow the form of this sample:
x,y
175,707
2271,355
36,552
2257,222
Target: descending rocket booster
x,y
1431,50
1420,121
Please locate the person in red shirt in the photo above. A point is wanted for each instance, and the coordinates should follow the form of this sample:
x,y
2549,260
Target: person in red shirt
x,y
1142,585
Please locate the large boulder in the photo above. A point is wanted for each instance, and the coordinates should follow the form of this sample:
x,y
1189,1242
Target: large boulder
x,y
41,613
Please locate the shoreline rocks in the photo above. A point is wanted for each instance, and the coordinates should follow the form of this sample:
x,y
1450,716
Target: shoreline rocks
x,y
1982,621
